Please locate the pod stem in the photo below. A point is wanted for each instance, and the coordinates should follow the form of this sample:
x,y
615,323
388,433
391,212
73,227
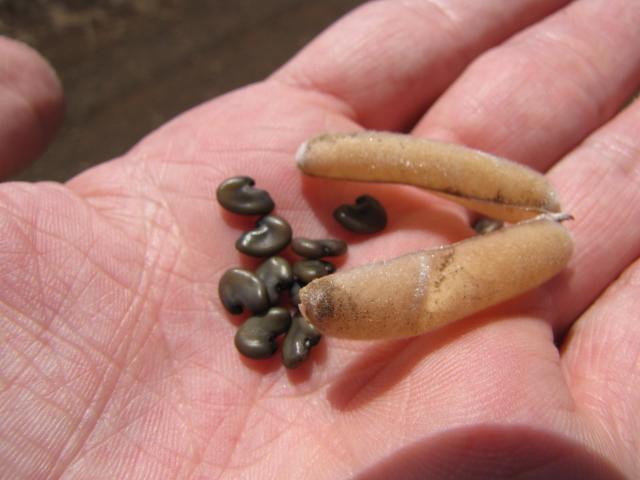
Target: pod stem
x,y
557,217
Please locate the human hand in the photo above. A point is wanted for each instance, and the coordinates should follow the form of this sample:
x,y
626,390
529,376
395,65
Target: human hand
x,y
117,358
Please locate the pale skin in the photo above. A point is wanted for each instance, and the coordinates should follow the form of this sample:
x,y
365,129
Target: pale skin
x,y
117,360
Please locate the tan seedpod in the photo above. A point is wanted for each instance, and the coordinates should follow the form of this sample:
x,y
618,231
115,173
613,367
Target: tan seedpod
x,y
493,186
420,291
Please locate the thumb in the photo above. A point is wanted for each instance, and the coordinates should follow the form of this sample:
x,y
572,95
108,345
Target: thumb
x,y
30,105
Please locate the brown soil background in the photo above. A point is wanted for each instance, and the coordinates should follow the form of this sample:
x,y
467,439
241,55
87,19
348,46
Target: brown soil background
x,y
128,66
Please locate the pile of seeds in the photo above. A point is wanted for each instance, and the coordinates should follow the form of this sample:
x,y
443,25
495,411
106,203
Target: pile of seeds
x,y
261,292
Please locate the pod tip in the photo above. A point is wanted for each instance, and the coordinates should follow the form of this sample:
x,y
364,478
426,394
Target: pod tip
x,y
559,216
301,154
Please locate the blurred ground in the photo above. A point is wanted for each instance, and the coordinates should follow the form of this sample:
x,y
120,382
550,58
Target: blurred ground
x,y
128,66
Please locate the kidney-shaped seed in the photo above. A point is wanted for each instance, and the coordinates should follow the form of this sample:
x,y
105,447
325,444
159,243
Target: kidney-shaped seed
x,y
298,342
240,289
313,249
271,235
366,216
294,293
277,275
238,195
305,271
256,338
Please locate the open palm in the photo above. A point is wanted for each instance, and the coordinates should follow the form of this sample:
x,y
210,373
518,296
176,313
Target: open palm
x,y
117,358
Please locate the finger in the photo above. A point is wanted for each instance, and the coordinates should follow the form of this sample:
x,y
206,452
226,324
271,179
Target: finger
x,y
599,181
388,60
536,96
600,359
30,105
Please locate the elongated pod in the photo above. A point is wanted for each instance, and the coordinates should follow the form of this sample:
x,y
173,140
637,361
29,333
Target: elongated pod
x,y
420,291
479,181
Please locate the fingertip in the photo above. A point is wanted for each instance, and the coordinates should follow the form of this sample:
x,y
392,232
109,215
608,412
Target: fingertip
x,y
31,105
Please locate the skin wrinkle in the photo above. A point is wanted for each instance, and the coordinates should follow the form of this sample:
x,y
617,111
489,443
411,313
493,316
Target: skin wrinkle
x,y
152,417
196,457
448,22
266,446
591,105
179,386
298,82
143,391
39,340
625,154
121,353
66,342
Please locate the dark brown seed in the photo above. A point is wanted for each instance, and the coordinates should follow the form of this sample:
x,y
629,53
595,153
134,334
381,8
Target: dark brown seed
x,y
487,225
366,216
294,294
277,275
238,195
256,338
305,271
308,248
240,289
298,342
271,235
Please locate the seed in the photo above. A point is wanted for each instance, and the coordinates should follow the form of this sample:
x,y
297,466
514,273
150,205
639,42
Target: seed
x,y
366,216
239,289
238,195
301,337
424,290
277,275
305,271
477,180
271,235
487,225
294,293
313,249
256,338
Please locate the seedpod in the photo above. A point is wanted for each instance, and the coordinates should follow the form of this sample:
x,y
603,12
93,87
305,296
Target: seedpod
x,y
421,291
484,183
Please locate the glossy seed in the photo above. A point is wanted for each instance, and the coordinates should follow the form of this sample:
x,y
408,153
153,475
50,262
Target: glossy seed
x,y
238,195
294,293
240,289
313,249
487,225
271,235
301,337
277,275
305,271
256,338
366,216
